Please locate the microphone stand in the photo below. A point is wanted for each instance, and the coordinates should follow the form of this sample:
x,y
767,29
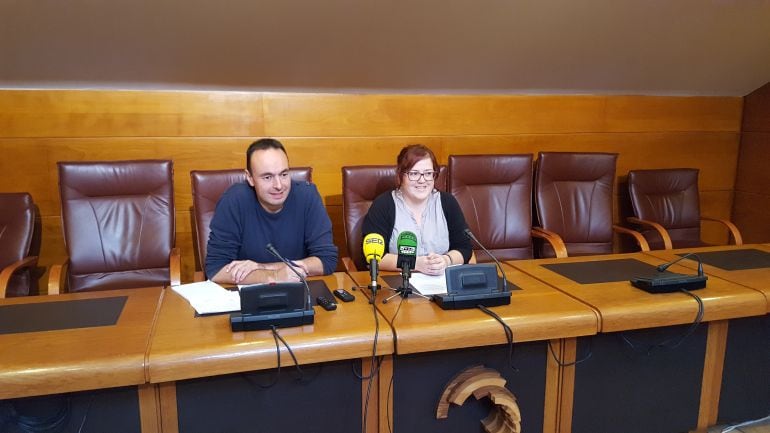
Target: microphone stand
x,y
308,300
405,289
470,235
373,271
665,266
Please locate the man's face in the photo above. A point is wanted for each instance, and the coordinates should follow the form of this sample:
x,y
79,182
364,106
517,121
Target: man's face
x,y
270,178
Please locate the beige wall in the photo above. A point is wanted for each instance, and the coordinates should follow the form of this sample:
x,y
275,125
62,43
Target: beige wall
x,y
208,130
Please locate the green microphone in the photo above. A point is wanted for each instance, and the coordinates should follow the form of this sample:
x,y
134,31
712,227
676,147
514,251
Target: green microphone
x,y
407,252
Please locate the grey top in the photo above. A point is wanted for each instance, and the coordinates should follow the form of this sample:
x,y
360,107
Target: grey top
x,y
432,233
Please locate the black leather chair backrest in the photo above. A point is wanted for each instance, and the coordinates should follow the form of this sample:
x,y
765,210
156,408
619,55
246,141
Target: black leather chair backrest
x,y
573,198
118,222
494,192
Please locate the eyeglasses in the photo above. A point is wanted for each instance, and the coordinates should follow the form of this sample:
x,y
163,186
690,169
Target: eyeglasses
x,y
415,176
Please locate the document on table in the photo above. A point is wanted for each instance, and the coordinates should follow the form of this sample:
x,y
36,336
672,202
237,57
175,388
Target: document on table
x,y
428,284
208,297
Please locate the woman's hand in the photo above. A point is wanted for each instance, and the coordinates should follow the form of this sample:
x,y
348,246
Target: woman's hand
x,y
432,264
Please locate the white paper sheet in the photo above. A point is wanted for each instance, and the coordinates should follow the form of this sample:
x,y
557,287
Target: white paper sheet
x,y
208,297
428,284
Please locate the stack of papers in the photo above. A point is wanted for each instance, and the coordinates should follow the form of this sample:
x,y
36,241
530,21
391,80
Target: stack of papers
x,y
428,284
208,297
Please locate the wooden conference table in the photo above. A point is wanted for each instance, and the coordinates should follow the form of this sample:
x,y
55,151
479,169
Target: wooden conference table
x,y
212,379
434,345
744,389
65,345
648,370
155,366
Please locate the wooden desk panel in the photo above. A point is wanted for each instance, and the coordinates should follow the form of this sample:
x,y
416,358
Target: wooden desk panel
x,y
757,279
741,384
621,306
537,312
51,362
186,347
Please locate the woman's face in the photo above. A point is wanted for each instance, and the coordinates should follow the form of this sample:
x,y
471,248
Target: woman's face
x,y
420,188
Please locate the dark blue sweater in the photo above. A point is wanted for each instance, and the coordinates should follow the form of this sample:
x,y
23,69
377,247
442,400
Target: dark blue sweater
x,y
241,229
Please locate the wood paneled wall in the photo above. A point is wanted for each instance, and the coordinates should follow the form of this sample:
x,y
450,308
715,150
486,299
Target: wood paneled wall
x,y
209,130
751,211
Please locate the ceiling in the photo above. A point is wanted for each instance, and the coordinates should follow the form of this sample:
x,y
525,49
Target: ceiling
x,y
648,47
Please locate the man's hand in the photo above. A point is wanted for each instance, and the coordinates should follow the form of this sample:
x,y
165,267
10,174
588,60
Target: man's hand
x,y
240,269
285,274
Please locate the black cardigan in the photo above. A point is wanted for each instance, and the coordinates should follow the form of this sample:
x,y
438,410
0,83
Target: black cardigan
x,y
381,218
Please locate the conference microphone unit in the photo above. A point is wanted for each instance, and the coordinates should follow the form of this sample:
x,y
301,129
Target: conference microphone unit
x,y
279,305
374,249
672,282
469,286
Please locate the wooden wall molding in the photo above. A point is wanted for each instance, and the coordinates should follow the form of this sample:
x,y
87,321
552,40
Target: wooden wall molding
x,y
211,130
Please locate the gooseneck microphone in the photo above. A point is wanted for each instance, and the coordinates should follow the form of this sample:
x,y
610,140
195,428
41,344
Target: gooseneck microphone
x,y
664,266
671,281
374,248
470,235
271,249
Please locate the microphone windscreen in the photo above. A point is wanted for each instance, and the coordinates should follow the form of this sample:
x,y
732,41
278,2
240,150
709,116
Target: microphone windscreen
x,y
374,246
407,244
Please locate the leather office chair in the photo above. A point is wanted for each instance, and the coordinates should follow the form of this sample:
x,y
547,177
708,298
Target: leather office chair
x,y
495,194
360,186
573,200
207,187
118,223
666,205
17,227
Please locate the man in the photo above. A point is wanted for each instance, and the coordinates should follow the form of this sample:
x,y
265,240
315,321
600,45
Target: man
x,y
269,209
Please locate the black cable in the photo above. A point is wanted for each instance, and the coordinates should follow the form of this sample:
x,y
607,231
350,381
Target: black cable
x,y
508,334
291,352
576,362
278,370
390,384
673,342
85,415
375,366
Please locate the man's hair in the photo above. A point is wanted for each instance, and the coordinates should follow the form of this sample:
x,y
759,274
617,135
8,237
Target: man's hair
x,y
263,144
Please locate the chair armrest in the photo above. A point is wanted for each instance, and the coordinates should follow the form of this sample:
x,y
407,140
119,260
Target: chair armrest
x,y
640,240
198,276
734,232
5,275
175,267
57,278
347,262
659,228
555,240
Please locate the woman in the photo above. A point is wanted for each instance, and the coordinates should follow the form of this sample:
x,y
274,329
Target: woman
x,y
415,205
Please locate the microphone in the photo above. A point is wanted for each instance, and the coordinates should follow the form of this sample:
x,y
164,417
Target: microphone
x,y
664,266
374,248
672,282
407,253
470,235
271,249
